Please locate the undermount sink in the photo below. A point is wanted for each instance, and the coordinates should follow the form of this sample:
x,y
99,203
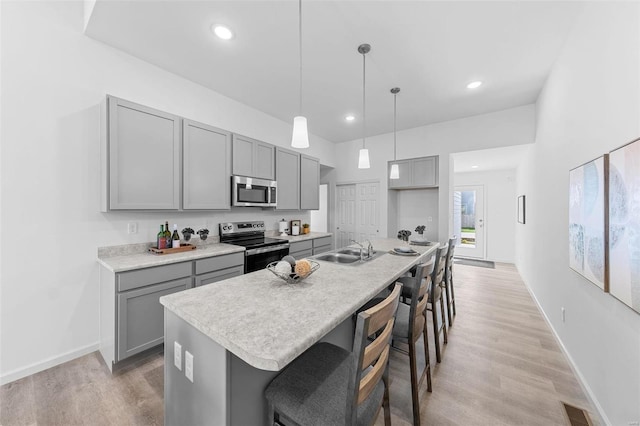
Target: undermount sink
x,y
349,256
339,258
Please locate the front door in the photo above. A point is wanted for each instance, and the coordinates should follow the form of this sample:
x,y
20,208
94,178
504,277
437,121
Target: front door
x,y
468,221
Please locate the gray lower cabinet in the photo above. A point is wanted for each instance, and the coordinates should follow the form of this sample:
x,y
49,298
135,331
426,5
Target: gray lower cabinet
x,y
288,178
218,268
253,158
301,249
309,183
322,245
131,316
141,158
141,316
206,153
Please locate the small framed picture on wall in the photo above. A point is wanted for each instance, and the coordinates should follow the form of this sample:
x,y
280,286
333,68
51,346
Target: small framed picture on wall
x,y
521,209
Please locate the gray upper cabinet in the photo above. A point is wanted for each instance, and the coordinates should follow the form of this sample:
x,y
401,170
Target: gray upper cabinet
x,y
143,157
206,167
309,183
253,158
288,178
415,173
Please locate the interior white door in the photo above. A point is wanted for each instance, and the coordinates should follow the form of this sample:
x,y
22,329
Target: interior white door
x,y
469,223
357,212
368,223
345,214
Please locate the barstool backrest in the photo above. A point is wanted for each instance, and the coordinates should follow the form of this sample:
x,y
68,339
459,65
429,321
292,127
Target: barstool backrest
x,y
370,351
437,276
418,299
449,265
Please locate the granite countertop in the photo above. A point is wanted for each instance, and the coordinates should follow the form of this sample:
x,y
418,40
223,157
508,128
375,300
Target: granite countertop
x,y
275,322
127,258
302,237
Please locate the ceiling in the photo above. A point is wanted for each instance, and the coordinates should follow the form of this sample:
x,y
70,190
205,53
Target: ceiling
x,y
485,160
431,50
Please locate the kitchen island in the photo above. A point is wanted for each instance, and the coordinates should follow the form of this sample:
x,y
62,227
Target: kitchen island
x,y
242,331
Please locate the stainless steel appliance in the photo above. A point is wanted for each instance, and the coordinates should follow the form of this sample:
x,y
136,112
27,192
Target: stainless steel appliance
x,y
252,192
261,250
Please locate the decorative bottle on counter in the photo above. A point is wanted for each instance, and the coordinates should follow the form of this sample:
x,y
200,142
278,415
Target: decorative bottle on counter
x,y
162,240
167,234
175,238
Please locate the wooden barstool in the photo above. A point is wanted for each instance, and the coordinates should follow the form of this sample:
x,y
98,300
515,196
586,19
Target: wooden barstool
x,y
448,283
435,299
411,324
328,385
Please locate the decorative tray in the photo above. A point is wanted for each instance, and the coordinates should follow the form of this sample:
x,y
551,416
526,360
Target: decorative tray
x,y
292,277
183,247
404,251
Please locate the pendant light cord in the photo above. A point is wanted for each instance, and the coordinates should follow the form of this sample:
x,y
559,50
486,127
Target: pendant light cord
x,y
395,117
364,111
300,48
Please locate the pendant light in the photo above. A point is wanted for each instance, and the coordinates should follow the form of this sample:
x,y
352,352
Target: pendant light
x,y
395,169
363,158
300,137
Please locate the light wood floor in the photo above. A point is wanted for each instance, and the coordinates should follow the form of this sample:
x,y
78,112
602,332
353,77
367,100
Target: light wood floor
x,y
502,366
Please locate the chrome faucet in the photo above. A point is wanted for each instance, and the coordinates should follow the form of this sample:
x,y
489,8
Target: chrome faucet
x,y
369,249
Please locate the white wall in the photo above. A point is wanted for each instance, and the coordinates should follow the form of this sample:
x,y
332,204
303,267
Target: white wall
x,y
504,128
53,81
590,104
500,204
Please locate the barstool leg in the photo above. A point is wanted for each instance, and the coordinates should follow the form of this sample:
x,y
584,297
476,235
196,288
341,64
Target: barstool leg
x,y
385,399
427,361
414,384
444,321
448,302
436,331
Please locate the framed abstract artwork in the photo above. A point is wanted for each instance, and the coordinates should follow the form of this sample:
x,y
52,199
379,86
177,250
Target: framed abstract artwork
x,y
521,209
624,224
587,221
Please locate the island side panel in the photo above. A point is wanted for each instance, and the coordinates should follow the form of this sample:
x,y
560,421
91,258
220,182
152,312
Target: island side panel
x,y
107,316
248,404
206,400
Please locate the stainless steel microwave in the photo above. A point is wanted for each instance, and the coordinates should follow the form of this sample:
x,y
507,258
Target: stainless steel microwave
x,y
252,192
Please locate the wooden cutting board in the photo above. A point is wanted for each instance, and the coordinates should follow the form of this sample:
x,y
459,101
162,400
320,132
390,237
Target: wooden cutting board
x,y
184,247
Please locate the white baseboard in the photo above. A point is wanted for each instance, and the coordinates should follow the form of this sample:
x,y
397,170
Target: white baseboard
x,y
19,373
585,386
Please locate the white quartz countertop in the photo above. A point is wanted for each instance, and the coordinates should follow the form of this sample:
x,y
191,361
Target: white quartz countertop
x,y
268,323
130,261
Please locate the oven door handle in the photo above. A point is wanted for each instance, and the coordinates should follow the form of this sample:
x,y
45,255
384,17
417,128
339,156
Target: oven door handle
x,y
266,249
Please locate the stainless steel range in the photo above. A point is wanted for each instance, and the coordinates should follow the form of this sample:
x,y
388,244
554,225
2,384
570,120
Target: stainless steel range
x,y
261,250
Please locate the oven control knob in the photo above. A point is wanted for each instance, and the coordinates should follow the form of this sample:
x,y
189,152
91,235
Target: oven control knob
x,y
262,225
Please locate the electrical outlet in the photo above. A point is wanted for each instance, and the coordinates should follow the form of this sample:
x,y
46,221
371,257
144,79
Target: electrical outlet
x,y
188,365
564,317
177,355
132,228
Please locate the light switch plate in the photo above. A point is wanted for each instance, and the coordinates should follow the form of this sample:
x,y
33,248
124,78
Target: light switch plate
x,y
188,365
132,227
177,355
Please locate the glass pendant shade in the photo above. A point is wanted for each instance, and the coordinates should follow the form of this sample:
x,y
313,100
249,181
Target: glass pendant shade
x,y
363,159
300,138
395,172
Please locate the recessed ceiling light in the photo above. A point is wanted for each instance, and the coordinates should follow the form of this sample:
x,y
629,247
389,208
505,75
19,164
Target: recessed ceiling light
x,y
474,85
349,118
222,32
474,167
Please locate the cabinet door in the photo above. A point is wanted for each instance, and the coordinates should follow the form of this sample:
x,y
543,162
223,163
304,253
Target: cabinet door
x,y
264,160
309,183
220,275
288,178
425,171
144,157
242,155
206,157
141,317
406,174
